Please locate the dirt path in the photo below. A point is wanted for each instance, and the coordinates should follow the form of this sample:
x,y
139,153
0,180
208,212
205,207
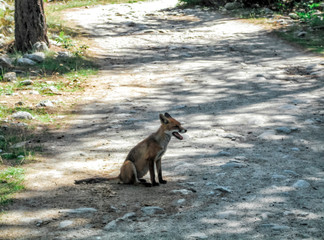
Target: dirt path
x,y
252,163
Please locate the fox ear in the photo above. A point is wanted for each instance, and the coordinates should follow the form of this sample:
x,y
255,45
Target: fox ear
x,y
167,115
163,119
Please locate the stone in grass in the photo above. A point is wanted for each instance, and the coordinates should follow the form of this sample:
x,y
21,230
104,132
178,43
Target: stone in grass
x,y
40,47
293,16
36,57
26,62
26,82
45,103
5,61
50,90
22,115
9,77
34,92
301,34
20,144
64,55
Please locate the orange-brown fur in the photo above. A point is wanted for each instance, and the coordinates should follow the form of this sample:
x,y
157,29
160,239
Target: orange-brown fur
x,y
147,154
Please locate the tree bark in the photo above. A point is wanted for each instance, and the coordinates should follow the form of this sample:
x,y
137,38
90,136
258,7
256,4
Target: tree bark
x,y
30,24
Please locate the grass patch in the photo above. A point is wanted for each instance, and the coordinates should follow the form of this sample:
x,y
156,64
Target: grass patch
x,y
17,142
54,65
37,113
312,41
313,28
7,89
10,183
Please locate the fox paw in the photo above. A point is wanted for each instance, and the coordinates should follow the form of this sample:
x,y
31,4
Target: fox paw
x,y
163,181
150,184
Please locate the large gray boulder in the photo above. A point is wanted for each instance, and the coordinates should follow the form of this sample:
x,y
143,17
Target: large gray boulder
x,y
5,61
25,62
36,57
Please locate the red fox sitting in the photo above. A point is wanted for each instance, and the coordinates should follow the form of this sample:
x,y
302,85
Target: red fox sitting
x,y
146,154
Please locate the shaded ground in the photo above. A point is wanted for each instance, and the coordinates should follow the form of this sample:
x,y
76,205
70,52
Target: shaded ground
x,y
253,107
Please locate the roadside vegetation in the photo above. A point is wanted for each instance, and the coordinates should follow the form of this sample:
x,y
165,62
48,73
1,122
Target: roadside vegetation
x,y
10,182
300,22
47,90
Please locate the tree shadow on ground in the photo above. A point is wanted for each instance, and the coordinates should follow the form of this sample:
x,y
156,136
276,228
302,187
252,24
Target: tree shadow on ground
x,y
226,106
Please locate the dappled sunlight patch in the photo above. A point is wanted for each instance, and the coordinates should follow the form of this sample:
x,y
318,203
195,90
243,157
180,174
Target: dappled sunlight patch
x,y
245,119
224,81
275,190
92,165
46,174
227,227
32,221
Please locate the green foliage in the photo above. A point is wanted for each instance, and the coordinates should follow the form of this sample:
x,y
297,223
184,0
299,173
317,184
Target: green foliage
x,y
14,147
285,6
309,14
312,41
67,43
312,18
10,182
307,10
72,64
5,112
65,40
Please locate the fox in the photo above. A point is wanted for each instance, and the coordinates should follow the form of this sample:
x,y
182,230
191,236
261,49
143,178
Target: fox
x,y
147,155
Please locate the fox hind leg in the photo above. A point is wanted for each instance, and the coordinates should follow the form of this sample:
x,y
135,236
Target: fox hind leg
x,y
128,173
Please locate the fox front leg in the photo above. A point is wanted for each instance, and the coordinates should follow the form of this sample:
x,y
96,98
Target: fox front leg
x,y
159,170
152,174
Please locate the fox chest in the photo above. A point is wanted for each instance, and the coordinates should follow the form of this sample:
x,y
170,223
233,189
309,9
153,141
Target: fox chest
x,y
162,148
159,154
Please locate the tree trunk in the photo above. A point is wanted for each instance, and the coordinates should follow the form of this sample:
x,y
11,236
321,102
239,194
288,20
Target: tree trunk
x,y
30,24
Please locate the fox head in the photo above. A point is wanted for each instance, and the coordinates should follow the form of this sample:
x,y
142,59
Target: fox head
x,y
171,126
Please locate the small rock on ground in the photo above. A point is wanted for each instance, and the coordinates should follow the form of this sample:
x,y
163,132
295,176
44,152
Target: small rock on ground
x,y
22,115
301,184
151,210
